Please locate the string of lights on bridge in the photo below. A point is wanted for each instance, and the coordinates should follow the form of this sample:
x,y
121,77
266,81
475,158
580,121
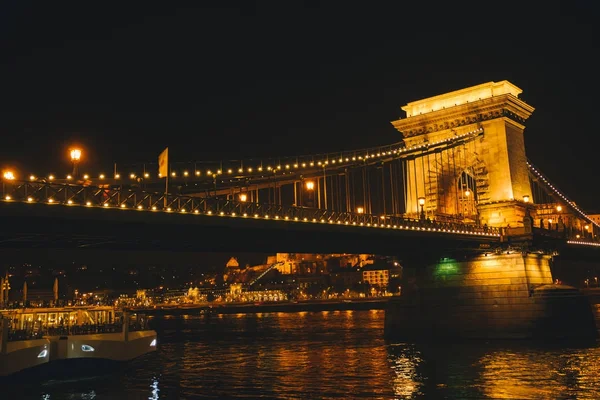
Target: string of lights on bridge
x,y
561,195
299,163
235,209
580,242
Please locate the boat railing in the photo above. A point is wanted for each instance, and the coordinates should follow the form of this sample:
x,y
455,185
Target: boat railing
x,y
38,332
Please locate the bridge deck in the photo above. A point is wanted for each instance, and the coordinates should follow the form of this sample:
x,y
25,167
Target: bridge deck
x,y
43,225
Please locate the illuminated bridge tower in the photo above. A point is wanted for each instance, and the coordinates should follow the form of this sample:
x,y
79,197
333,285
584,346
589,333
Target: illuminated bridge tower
x,y
482,180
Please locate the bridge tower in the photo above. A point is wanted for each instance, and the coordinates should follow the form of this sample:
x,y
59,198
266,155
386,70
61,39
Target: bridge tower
x,y
484,180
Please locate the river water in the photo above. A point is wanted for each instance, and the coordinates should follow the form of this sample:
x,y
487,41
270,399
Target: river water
x,y
329,355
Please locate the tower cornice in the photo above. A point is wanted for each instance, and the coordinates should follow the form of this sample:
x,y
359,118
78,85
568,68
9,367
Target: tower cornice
x,y
503,106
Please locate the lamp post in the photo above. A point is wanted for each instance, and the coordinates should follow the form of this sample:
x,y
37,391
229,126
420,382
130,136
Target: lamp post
x,y
310,187
467,210
7,176
559,220
75,158
422,204
243,198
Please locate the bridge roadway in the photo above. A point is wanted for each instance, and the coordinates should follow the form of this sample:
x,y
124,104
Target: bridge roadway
x,y
39,225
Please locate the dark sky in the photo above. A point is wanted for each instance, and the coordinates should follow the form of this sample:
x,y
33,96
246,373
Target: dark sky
x,y
244,79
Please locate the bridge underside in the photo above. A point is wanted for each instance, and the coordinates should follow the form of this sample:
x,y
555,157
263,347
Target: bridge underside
x,y
42,226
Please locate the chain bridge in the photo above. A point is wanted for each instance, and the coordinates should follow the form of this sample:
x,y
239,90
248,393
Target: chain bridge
x,y
477,226
457,178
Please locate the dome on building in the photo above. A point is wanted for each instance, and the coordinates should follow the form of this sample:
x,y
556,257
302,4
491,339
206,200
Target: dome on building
x,y
232,263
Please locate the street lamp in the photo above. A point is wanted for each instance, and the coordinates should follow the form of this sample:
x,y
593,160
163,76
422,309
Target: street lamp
x,y
526,198
75,157
243,197
360,210
310,188
559,208
9,175
422,204
467,207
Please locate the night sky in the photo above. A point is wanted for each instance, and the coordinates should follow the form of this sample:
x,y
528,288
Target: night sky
x,y
244,79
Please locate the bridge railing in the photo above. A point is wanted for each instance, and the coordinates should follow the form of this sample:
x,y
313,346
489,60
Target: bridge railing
x,y
53,193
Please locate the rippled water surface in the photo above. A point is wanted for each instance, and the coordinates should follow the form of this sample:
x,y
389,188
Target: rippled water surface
x,y
329,355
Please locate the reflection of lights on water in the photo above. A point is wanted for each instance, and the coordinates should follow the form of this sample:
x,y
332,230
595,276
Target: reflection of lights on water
x,y
155,390
404,361
90,395
85,396
517,374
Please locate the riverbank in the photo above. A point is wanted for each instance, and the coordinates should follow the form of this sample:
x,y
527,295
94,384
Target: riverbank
x,y
288,306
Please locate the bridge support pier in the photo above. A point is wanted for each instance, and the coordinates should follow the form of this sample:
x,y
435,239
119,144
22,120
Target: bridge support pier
x,y
488,296
503,214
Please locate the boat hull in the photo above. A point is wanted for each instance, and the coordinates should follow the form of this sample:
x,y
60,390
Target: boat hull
x,y
65,350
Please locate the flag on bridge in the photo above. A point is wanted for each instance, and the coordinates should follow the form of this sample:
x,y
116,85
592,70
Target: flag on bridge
x,y
163,163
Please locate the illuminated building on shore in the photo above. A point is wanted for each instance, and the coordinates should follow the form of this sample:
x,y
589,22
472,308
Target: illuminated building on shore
x,y
307,263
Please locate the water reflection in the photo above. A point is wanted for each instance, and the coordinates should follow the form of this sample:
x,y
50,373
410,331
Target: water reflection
x,y
154,390
404,361
83,396
493,370
329,355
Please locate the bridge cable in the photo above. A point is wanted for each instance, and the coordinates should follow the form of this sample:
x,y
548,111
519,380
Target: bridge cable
x,y
427,185
396,184
364,188
333,191
324,188
440,180
349,194
334,194
416,182
382,189
334,197
318,193
369,203
464,178
402,166
409,185
338,181
455,179
392,195
440,184
279,193
423,177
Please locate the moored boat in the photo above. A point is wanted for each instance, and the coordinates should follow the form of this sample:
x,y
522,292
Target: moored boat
x,y
32,337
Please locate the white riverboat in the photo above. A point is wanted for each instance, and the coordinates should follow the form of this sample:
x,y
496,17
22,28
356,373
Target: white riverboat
x,y
31,337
